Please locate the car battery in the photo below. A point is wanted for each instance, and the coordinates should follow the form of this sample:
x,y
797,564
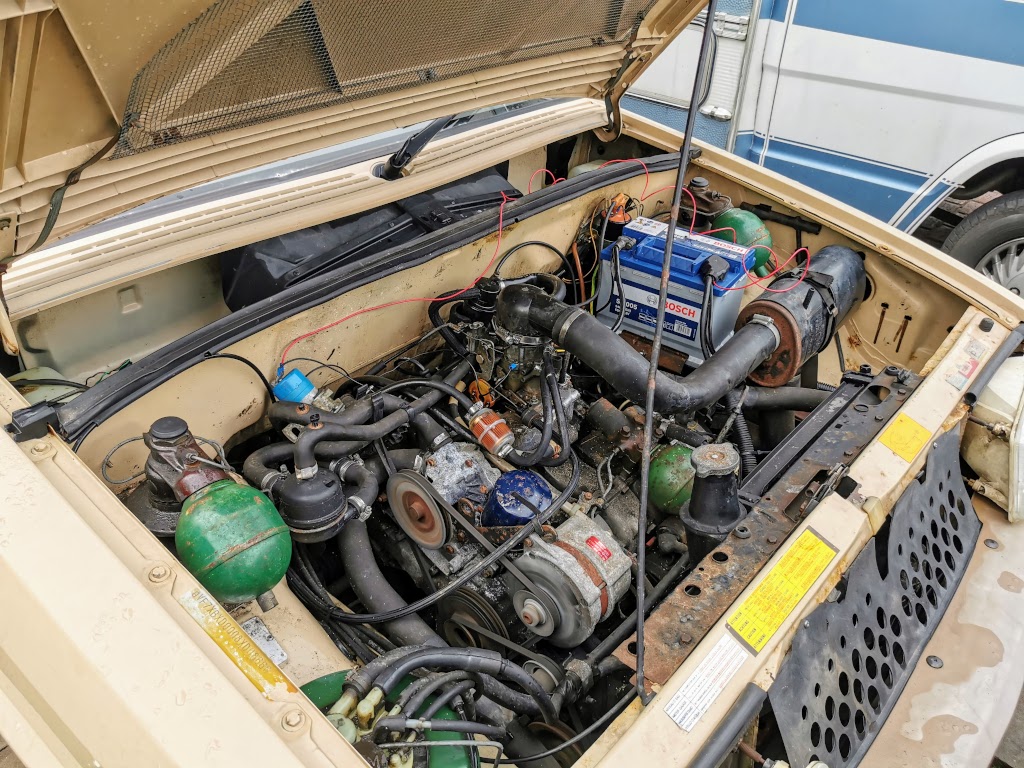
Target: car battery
x,y
641,281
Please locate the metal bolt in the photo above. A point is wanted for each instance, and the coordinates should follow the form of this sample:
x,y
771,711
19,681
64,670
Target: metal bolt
x,y
742,532
469,462
991,543
934,662
588,495
450,549
40,449
773,539
986,324
159,573
624,430
879,418
431,463
293,720
901,391
686,638
482,489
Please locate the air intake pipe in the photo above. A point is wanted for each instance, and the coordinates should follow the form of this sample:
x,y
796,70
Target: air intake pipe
x,y
776,334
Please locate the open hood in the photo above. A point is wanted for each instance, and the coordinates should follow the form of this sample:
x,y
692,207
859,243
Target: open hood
x,y
132,101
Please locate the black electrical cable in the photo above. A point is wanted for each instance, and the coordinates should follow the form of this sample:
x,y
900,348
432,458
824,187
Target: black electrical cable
x,y
445,698
382,364
540,243
652,371
706,324
461,398
839,351
469,574
244,361
617,266
620,705
26,383
560,416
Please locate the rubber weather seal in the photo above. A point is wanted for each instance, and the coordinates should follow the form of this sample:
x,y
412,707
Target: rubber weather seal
x,y
852,658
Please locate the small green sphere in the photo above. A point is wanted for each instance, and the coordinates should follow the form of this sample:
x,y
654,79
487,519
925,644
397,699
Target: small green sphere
x,y
232,539
671,478
750,231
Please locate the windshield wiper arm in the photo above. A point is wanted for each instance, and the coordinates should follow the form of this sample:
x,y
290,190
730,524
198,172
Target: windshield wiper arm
x,y
392,168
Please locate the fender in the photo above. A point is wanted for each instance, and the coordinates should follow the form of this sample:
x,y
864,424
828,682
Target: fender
x,y
927,199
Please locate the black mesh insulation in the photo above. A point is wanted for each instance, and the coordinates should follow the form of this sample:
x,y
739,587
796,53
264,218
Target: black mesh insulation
x,y
244,62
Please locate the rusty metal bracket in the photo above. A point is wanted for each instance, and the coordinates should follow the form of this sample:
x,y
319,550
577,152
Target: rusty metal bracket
x,y
783,489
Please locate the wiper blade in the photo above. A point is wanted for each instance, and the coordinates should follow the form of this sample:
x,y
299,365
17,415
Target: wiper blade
x,y
393,167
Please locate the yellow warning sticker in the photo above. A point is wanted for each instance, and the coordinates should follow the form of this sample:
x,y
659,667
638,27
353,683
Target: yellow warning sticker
x,y
238,646
905,437
760,615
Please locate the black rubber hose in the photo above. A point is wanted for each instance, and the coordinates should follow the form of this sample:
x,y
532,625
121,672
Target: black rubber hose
x,y
430,685
472,660
560,417
784,398
365,482
360,681
400,724
520,703
550,284
741,433
434,314
441,386
335,428
446,697
522,309
373,589
401,458
730,729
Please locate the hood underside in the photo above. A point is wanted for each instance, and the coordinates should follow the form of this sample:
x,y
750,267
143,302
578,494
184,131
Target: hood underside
x,y
167,95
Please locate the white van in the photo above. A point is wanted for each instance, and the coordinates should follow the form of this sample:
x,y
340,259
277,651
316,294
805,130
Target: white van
x,y
892,107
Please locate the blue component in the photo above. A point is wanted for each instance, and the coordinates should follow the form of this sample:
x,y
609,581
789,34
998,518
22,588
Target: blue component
x,y
503,508
294,387
689,252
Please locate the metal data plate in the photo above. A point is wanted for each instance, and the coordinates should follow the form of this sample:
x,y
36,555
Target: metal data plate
x,y
804,468
851,658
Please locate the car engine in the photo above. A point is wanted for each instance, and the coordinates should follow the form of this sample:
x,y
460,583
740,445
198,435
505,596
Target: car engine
x,y
470,505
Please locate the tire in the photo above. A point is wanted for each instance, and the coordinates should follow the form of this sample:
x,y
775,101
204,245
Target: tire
x,y
991,240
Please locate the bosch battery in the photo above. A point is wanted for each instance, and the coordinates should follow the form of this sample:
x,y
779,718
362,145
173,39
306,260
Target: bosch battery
x,y
640,269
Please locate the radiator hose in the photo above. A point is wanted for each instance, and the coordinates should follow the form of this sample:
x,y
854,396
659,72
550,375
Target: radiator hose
x,y
775,335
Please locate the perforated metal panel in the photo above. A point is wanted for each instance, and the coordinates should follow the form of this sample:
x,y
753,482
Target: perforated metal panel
x,y
248,61
852,658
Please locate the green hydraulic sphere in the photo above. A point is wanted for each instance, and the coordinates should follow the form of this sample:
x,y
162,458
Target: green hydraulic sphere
x,y
750,231
232,539
671,478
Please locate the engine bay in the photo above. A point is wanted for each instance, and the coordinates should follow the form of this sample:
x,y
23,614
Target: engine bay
x,y
462,516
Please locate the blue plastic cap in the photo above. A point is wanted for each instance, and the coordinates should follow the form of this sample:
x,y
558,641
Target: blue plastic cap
x,y
294,387
503,506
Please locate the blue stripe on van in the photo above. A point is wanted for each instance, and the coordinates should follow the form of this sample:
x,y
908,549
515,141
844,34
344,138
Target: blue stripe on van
x,y
878,189
913,218
981,29
774,9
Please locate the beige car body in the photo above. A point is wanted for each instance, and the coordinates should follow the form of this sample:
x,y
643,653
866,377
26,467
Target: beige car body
x,y
110,652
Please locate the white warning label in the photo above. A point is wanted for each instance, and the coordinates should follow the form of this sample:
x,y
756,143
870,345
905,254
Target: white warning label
x,y
706,683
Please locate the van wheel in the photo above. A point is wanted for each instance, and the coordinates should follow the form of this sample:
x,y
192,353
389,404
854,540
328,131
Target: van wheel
x,y
992,241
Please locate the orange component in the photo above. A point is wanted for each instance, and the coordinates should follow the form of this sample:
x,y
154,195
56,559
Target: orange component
x,y
480,391
617,210
491,431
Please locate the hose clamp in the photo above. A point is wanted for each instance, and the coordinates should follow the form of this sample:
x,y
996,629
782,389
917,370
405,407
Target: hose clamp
x,y
561,327
362,509
768,323
340,466
305,473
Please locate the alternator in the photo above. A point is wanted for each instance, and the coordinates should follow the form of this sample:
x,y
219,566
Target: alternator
x,y
579,578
